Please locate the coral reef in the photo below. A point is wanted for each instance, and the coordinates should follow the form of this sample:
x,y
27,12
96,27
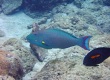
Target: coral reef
x,y
69,68
41,5
15,46
10,64
40,8
33,7
95,16
3,64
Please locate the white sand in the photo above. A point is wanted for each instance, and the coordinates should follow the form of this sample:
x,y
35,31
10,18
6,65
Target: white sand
x,y
15,26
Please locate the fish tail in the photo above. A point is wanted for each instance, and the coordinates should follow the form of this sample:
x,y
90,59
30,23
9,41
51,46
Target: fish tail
x,y
85,42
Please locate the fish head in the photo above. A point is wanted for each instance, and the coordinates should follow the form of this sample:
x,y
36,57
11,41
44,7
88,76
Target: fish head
x,y
37,40
31,38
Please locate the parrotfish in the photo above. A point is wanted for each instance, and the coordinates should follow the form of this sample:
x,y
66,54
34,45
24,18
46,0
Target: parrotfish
x,y
56,38
96,56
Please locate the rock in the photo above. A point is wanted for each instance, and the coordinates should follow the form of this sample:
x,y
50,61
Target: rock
x,y
0,10
43,21
35,8
62,20
1,2
106,2
100,41
10,64
78,3
38,52
6,77
2,34
9,6
104,27
37,5
4,64
77,25
107,62
71,68
15,46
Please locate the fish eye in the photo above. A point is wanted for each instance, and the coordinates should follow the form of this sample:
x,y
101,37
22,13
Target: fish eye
x,y
43,42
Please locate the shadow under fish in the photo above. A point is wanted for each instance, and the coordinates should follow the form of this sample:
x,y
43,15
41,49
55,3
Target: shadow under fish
x,y
96,56
38,52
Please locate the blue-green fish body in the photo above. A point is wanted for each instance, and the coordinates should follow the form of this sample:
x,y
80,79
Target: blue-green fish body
x,y
55,38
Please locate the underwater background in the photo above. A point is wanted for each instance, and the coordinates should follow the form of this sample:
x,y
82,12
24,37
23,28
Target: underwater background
x,y
18,18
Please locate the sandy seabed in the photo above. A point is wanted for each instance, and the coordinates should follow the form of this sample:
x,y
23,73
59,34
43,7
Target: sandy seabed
x,y
15,26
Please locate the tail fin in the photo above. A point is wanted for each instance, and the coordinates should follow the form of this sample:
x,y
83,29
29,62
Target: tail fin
x,y
84,42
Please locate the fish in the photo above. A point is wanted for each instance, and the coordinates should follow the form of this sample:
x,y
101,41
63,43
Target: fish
x,y
56,38
96,56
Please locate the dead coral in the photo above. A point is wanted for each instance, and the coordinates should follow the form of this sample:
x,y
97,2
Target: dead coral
x,y
10,64
4,64
15,46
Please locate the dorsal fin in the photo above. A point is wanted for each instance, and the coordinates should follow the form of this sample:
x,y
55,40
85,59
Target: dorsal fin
x,y
65,32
